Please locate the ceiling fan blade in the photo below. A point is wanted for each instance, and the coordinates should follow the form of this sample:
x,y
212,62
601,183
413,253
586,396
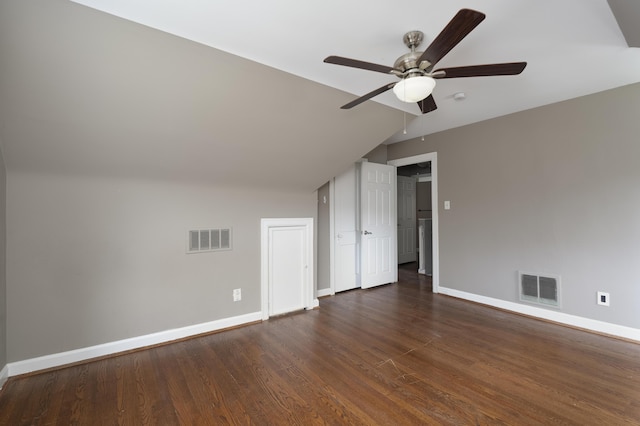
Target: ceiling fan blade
x,y
512,68
354,63
368,96
428,104
457,29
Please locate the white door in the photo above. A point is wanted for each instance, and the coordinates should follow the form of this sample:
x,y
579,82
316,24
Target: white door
x,y
345,238
378,257
287,269
406,219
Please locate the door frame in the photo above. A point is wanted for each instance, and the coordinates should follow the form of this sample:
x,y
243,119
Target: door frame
x,y
266,225
433,158
332,240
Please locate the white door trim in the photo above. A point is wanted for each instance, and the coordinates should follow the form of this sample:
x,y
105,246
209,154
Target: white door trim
x,y
332,238
433,158
265,226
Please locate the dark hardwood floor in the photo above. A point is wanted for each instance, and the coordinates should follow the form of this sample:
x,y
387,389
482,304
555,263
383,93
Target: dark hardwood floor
x,y
391,355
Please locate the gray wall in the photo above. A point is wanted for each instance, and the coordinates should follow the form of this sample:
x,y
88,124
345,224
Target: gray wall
x,y
377,155
117,139
550,190
627,13
95,260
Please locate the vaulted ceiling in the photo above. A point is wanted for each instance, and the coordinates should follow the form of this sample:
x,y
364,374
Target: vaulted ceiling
x,y
85,93
573,47
236,93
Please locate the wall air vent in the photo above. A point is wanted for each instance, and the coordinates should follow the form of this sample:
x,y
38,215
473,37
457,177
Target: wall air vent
x,y
206,240
542,290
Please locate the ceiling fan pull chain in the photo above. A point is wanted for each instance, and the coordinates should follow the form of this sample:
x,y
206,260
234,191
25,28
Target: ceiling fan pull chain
x,y
422,108
404,132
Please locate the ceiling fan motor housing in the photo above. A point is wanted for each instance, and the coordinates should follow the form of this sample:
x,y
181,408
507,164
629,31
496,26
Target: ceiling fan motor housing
x,y
409,61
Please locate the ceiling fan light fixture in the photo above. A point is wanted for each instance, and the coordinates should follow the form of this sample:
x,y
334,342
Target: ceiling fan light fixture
x,y
414,89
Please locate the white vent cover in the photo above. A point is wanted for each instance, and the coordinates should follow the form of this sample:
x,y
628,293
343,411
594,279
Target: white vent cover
x,y
204,240
543,290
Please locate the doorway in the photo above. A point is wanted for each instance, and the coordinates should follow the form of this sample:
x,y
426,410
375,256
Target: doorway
x,y
414,217
432,160
363,227
344,203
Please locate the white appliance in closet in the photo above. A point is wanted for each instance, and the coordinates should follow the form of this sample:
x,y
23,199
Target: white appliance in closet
x,y
425,247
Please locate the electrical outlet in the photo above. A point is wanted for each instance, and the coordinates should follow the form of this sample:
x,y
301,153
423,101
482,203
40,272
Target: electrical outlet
x,y
603,298
237,294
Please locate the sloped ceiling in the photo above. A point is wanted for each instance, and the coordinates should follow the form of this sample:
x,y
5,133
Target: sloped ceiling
x,y
573,47
86,93
240,95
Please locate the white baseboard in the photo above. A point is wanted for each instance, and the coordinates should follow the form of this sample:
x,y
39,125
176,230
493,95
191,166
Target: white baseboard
x,y
559,317
325,292
4,375
83,354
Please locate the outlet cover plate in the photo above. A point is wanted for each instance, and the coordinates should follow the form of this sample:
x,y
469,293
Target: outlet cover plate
x,y
603,298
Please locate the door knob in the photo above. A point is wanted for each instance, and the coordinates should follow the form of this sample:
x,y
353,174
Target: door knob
x,y
367,233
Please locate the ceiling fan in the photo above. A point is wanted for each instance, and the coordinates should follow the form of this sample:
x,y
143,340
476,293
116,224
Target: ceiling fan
x,y
415,69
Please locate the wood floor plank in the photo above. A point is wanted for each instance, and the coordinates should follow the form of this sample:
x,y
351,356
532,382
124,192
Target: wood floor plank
x,y
193,395
104,402
392,355
126,393
187,407
311,365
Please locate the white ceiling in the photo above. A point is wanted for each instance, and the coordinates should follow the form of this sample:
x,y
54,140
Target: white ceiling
x,y
573,47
